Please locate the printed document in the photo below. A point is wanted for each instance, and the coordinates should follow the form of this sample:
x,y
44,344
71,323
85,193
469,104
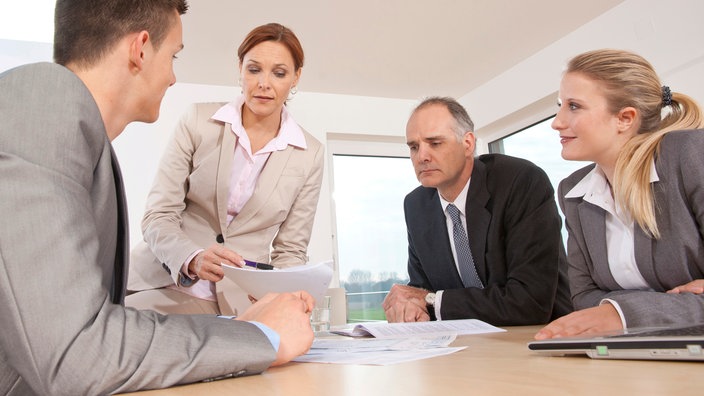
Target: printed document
x,y
391,330
377,351
313,278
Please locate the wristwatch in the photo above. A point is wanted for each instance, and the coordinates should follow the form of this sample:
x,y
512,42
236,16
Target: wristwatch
x,y
430,299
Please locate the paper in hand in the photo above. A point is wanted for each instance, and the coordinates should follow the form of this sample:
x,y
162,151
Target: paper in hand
x,y
313,278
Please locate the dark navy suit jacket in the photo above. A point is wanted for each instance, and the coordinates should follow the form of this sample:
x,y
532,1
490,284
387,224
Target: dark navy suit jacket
x,y
514,233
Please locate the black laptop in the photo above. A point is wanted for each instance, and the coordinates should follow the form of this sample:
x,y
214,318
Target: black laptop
x,y
664,343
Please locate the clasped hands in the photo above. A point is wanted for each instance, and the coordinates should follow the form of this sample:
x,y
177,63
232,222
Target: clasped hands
x,y
406,304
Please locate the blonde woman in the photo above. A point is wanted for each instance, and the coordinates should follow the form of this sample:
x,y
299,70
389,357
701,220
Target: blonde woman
x,y
635,217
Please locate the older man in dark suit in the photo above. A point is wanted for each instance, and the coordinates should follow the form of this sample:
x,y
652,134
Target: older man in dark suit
x,y
484,237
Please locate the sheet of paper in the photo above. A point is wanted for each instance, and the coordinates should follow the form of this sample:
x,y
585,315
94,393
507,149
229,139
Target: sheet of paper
x,y
377,358
313,278
377,351
347,345
390,330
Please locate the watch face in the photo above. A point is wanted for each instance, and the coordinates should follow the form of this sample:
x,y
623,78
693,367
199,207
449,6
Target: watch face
x,y
430,298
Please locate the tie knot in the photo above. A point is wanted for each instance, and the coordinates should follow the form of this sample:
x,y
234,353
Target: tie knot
x,y
453,211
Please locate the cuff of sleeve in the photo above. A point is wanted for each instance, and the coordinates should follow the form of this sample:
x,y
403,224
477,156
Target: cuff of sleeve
x,y
273,336
438,304
618,309
184,266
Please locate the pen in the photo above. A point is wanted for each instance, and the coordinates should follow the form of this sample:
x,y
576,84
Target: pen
x,y
261,266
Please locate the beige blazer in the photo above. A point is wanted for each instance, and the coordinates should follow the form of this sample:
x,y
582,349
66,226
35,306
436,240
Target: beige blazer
x,y
187,206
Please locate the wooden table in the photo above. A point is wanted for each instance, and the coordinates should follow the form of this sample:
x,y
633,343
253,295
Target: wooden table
x,y
495,364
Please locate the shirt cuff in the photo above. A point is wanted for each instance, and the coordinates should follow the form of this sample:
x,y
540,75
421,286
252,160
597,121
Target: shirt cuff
x,y
438,303
618,309
273,336
184,266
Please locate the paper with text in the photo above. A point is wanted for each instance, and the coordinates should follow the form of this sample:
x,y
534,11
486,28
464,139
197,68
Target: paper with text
x,y
390,330
378,351
313,278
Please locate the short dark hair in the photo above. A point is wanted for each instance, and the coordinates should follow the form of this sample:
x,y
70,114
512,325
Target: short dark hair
x,y
273,32
85,30
463,123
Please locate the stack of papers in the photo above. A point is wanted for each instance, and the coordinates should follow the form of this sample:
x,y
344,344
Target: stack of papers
x,y
390,330
376,351
393,342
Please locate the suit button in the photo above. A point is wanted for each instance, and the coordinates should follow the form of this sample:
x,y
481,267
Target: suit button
x,y
166,268
219,238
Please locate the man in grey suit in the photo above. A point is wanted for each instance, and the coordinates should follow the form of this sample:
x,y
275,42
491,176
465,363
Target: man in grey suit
x,y
63,243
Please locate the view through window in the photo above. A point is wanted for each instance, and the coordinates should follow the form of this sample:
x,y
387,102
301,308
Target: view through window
x,y
372,246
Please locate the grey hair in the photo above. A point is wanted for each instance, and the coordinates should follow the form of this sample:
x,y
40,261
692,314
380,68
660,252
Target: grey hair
x,y
463,123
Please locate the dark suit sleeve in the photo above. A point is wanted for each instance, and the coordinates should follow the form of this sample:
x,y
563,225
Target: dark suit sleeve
x,y
523,255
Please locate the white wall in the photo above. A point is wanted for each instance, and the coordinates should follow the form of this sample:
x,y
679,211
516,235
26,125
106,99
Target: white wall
x,y
667,33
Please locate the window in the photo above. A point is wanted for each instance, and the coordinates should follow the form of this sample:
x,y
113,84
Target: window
x,y
540,144
370,230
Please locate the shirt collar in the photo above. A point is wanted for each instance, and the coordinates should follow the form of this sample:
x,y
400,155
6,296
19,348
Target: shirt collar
x,y
594,183
461,200
289,132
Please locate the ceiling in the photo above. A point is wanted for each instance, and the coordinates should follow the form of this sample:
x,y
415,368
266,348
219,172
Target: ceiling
x,y
403,49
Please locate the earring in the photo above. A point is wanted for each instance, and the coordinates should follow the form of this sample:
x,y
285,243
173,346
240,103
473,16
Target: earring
x,y
239,83
292,92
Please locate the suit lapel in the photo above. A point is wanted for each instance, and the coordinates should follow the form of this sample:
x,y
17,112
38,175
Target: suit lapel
x,y
266,184
478,218
593,221
224,170
643,247
122,243
435,235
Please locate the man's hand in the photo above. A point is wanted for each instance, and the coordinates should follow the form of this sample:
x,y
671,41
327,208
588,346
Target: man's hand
x,y
207,264
583,322
696,286
405,304
288,314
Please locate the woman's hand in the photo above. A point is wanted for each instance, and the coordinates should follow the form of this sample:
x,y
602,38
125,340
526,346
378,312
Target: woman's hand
x,y
207,264
583,322
696,286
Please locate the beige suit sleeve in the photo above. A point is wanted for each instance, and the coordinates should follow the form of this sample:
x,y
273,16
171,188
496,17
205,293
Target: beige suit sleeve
x,y
166,203
290,245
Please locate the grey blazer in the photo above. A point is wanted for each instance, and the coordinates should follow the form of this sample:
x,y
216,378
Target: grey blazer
x,y
63,260
676,258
